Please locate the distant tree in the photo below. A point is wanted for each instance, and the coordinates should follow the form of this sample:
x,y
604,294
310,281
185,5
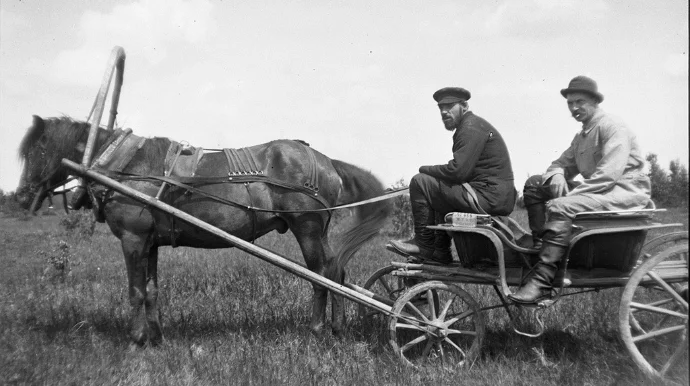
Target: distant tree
x,y
401,217
678,180
9,204
668,188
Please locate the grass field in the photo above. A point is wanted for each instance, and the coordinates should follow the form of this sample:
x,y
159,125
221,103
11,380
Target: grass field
x,y
229,318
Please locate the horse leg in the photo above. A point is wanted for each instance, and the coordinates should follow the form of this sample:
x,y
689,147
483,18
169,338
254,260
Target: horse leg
x,y
337,303
136,250
152,314
315,252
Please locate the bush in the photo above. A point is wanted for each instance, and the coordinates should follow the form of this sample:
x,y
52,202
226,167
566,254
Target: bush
x,y
79,223
9,205
401,217
58,264
668,189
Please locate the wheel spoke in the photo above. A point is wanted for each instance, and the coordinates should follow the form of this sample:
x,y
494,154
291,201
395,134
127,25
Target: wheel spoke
x,y
461,332
414,342
446,307
410,327
384,283
680,349
430,302
458,318
635,325
427,348
455,346
669,289
416,311
657,303
441,352
658,310
663,331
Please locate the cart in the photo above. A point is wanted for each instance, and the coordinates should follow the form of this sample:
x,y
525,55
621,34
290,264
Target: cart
x,y
607,250
430,315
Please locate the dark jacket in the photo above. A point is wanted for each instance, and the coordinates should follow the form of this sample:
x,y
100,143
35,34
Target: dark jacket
x,y
481,158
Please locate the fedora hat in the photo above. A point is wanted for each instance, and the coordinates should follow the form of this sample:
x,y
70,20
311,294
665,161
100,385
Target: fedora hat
x,y
583,84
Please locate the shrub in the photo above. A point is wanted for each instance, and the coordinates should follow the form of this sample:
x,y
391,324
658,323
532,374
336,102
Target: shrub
x,y
668,189
79,223
401,217
58,262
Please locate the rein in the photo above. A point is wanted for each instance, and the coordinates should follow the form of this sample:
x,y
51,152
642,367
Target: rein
x,y
184,183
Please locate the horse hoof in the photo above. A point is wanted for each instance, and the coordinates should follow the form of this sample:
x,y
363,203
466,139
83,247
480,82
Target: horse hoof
x,y
156,340
138,338
155,335
338,334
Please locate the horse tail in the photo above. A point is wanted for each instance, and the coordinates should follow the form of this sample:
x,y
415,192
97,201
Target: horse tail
x,y
359,185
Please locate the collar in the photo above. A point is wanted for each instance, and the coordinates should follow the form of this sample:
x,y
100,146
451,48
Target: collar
x,y
586,128
462,119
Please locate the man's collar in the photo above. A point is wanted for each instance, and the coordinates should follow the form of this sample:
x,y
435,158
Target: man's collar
x,y
468,112
586,128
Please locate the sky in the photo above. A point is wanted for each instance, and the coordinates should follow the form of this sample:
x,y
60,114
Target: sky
x,y
353,78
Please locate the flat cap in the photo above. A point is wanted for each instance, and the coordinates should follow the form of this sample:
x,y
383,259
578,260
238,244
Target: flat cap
x,y
451,95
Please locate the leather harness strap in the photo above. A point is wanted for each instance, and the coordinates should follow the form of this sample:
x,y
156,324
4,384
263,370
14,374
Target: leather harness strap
x,y
241,162
313,183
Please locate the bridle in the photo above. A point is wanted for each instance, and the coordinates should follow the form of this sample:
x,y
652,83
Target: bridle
x,y
43,187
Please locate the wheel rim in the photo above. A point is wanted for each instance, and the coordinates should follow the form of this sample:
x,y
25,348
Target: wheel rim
x,y
653,316
436,322
383,284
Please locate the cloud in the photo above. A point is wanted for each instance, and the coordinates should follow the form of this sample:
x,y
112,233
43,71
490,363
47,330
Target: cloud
x,y
10,25
539,18
676,65
149,29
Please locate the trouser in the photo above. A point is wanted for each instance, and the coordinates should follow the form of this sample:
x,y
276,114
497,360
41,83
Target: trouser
x,y
431,199
542,207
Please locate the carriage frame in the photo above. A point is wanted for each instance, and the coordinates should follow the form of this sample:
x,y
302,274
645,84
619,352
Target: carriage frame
x,y
609,249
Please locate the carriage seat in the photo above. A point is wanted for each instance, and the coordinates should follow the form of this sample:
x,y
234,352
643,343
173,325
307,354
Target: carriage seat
x,y
476,249
609,239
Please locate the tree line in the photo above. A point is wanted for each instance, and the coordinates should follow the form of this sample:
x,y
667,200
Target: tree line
x,y
669,188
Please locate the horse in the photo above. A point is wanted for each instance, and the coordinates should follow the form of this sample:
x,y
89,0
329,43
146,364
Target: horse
x,y
275,186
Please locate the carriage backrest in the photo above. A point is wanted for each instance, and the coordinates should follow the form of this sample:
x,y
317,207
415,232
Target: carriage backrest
x,y
608,239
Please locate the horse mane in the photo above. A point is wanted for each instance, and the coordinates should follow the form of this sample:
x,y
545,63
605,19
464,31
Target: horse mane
x,y
64,133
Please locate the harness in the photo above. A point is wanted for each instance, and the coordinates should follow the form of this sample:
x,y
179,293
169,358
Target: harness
x,y
181,163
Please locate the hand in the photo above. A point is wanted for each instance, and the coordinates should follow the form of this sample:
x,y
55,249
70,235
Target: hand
x,y
558,186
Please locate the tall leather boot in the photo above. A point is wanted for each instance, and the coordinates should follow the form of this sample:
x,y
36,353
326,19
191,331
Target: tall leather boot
x,y
536,214
442,253
422,244
539,284
555,243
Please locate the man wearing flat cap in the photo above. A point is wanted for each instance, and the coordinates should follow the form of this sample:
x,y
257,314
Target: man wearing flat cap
x,y
607,156
479,178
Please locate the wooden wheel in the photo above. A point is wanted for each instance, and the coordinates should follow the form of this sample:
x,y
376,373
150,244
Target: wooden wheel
x,y
436,321
661,243
385,285
653,315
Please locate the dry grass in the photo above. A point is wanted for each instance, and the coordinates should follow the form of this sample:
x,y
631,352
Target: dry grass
x,y
230,318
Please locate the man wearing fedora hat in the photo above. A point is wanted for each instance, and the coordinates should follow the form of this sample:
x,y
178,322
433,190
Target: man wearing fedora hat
x,y
479,178
607,156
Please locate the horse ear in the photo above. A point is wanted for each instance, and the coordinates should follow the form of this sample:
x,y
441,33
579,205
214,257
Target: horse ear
x,y
38,126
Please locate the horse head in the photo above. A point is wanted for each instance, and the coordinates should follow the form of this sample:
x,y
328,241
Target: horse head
x,y
43,147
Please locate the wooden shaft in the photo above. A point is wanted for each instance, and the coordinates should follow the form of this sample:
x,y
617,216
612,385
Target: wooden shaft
x,y
115,57
248,247
119,78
